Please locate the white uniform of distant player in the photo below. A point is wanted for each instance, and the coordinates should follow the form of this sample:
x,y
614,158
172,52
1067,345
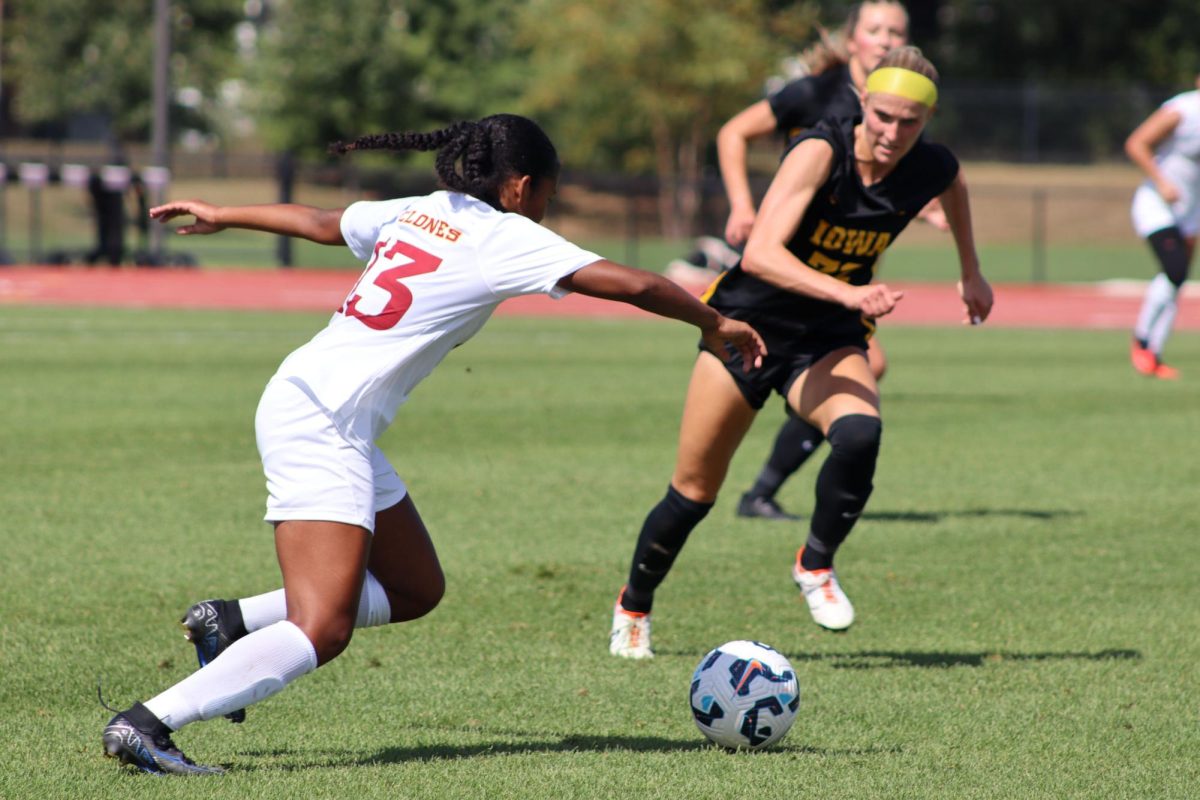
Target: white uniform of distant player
x,y
439,266
1179,160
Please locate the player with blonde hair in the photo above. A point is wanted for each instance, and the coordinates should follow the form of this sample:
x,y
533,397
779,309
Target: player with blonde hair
x,y
843,192
837,68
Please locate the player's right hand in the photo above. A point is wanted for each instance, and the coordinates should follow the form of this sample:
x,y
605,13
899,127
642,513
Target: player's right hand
x,y
737,229
731,334
1168,191
873,300
205,214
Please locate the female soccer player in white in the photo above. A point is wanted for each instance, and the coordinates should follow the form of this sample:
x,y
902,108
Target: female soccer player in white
x,y
1166,212
438,266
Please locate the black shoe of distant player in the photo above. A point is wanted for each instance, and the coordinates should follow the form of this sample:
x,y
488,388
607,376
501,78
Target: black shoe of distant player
x,y
137,737
763,508
208,626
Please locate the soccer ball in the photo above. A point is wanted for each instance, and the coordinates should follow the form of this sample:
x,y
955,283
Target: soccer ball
x,y
744,695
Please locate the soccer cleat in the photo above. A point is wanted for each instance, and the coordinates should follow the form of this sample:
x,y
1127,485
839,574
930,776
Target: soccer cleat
x,y
1165,373
630,637
688,275
206,626
137,737
1142,359
763,508
827,602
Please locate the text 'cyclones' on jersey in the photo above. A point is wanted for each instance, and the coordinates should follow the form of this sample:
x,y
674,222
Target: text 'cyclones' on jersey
x,y
437,227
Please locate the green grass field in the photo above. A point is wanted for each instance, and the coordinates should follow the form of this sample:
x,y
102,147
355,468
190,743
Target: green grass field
x,y
1025,575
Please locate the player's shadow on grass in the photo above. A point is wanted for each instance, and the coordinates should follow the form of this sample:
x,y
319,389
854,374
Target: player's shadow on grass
x,y
892,659
933,517
573,743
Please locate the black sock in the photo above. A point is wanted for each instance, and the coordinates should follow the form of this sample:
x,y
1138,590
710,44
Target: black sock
x,y
794,443
664,532
232,614
144,720
843,486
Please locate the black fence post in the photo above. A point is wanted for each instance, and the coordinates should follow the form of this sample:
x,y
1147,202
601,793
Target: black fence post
x,y
631,228
285,169
1039,235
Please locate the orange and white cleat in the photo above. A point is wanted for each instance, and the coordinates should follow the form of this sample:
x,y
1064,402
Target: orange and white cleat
x,y
630,636
828,604
1142,359
1165,373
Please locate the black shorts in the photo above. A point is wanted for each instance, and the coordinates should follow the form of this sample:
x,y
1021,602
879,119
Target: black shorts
x,y
791,350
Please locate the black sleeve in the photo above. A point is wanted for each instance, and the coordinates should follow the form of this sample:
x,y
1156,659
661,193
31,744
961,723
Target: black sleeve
x,y
826,131
946,165
795,105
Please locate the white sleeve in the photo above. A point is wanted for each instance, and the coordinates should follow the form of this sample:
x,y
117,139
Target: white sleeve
x,y
1185,104
361,222
521,257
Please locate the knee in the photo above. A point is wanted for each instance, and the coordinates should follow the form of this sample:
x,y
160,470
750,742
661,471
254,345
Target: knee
x,y
329,634
426,596
855,436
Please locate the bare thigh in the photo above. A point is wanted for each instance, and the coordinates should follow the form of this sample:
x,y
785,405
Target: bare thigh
x,y
839,384
405,562
877,358
715,419
323,565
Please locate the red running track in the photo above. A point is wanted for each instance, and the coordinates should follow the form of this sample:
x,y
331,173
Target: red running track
x,y
1096,306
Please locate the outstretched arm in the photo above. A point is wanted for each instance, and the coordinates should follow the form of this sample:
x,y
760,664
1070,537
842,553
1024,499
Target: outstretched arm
x,y
654,293
305,222
972,286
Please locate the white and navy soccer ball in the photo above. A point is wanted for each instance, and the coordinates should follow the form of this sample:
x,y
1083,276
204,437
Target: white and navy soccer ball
x,y
744,695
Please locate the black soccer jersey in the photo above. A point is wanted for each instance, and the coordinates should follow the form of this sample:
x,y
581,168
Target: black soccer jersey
x,y
845,229
803,102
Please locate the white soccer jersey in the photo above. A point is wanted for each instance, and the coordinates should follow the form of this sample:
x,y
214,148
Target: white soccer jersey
x,y
438,266
1178,158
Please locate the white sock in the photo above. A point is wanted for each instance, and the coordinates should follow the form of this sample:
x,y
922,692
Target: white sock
x,y
267,609
263,609
1159,294
251,669
1161,330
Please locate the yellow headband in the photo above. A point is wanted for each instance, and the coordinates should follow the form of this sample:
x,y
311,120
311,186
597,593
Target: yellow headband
x,y
903,83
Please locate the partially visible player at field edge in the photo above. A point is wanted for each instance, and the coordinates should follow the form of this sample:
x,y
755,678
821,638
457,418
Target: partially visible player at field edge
x,y
352,547
837,69
842,194
1166,213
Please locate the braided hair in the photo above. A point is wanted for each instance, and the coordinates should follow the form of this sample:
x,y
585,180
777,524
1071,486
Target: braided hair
x,y
475,158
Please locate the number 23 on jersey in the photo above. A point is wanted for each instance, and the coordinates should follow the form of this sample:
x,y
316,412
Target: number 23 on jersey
x,y
380,299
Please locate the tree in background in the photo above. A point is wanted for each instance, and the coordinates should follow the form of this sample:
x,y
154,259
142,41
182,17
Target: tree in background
x,y
73,57
330,71
1120,43
644,86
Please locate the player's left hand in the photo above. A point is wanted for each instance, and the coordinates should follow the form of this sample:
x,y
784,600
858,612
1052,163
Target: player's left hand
x,y
731,334
205,214
976,294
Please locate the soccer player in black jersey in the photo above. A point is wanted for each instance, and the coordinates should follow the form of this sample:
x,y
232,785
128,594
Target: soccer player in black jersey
x,y
843,192
838,68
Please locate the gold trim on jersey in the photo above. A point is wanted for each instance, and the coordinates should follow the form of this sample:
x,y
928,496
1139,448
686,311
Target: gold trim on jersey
x,y
712,287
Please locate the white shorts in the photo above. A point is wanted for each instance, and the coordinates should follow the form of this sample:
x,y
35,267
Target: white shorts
x,y
313,472
1151,213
